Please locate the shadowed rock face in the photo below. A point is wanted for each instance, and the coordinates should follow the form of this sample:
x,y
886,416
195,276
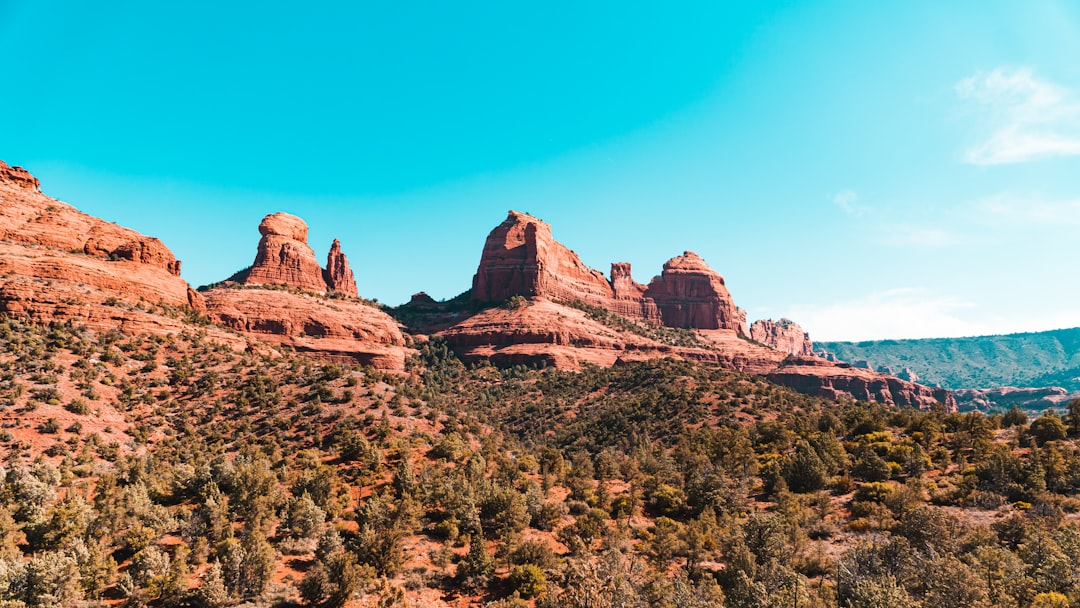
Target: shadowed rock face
x,y
784,335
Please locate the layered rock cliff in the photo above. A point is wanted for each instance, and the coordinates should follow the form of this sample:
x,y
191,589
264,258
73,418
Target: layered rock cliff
x,y
569,314
784,335
18,177
521,258
59,264
284,257
691,295
340,330
311,321
816,376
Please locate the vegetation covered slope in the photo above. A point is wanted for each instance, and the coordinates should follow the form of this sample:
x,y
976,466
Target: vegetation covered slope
x,y
1049,358
231,478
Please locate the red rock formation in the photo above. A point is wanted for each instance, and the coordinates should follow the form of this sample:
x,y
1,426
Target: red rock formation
x,y
284,257
59,264
815,376
331,328
334,329
521,258
784,335
630,299
552,334
338,275
689,294
19,177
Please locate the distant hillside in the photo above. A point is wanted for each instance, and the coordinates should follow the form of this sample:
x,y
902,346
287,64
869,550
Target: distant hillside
x,y
1049,358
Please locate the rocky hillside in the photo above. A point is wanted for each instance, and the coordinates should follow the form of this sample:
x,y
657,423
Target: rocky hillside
x,y
534,302
287,299
251,453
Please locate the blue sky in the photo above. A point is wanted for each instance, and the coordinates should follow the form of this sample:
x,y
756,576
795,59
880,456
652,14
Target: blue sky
x,y
869,169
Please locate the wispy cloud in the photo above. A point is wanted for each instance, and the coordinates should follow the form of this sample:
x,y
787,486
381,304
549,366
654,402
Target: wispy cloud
x,y
920,236
848,200
906,312
1028,118
1015,211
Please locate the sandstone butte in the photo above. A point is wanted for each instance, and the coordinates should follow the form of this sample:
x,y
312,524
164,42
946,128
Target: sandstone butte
x,y
554,322
59,264
287,299
521,258
284,258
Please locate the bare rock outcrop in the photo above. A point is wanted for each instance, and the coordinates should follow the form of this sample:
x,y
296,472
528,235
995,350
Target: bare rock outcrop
x,y
310,320
687,312
521,258
338,275
59,264
784,335
816,376
340,330
691,295
18,177
284,257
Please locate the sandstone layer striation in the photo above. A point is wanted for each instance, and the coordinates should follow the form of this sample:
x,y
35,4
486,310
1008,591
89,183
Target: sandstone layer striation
x,y
317,315
338,275
784,335
568,314
521,258
58,264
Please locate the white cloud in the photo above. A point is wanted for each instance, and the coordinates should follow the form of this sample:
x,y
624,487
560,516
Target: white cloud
x,y
890,314
1014,211
1028,118
848,201
904,235
914,312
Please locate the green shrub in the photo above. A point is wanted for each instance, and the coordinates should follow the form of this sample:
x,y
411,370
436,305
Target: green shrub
x,y
528,580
